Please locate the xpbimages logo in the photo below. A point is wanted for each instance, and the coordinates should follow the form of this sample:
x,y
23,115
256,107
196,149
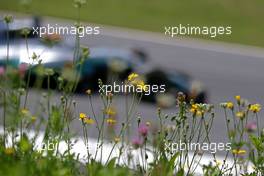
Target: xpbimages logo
x,y
129,88
66,30
212,147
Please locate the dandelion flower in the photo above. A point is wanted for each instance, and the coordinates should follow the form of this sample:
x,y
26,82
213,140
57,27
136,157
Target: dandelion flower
x,y
135,80
255,108
132,76
117,139
238,98
239,152
110,111
230,105
200,113
111,121
33,118
25,111
82,116
240,115
194,108
88,121
141,85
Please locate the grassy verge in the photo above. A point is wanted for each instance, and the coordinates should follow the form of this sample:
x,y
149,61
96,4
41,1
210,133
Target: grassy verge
x,y
244,16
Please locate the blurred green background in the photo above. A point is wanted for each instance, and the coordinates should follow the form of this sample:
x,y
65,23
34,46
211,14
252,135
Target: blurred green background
x,y
245,16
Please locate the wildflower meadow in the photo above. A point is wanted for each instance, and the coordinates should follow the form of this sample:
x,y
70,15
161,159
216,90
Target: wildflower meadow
x,y
41,141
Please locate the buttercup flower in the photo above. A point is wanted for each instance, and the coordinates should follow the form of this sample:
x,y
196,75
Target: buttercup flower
x,y
24,112
88,121
194,108
199,109
135,80
111,121
141,85
239,152
85,119
238,98
230,105
240,115
82,116
117,139
132,76
255,108
33,118
200,113
110,112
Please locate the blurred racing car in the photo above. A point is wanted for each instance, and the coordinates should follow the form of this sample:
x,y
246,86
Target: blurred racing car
x,y
101,62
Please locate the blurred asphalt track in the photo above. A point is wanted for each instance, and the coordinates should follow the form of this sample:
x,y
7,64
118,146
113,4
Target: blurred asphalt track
x,y
225,69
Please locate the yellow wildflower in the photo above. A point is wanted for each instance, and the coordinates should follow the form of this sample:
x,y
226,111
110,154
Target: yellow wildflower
x,y
141,85
117,139
33,118
111,121
240,115
194,108
110,111
88,121
25,111
255,108
197,110
238,98
200,113
9,151
239,152
82,116
137,81
132,76
230,105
